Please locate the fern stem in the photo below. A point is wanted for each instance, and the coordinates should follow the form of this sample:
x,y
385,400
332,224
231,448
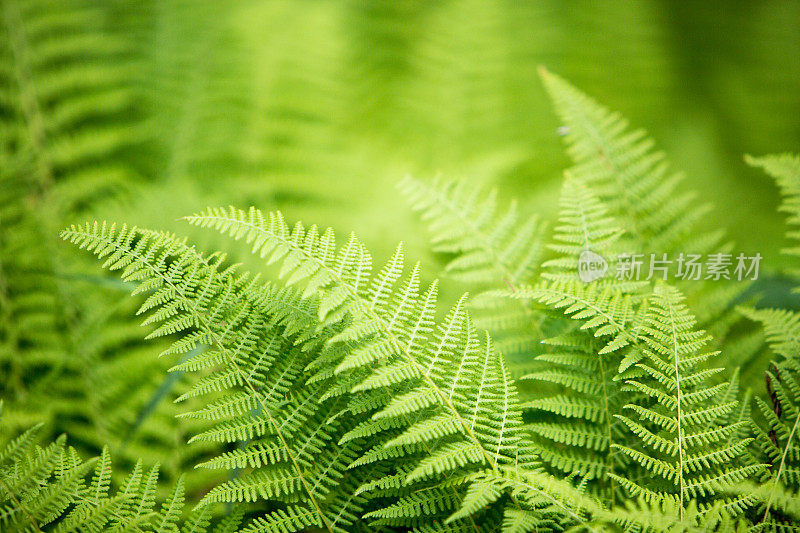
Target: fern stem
x,y
679,398
610,458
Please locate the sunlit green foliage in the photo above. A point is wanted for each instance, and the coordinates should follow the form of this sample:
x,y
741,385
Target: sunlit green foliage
x,y
296,381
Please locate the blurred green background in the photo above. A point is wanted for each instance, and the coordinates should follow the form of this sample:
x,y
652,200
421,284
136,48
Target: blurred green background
x,y
319,107
143,111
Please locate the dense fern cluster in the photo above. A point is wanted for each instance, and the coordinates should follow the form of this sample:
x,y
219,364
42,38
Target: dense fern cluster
x,y
317,391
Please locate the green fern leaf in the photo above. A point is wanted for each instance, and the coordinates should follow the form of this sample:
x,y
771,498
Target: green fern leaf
x,y
680,443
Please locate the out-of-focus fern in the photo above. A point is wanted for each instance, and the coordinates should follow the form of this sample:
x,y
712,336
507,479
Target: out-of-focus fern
x,y
71,121
785,169
52,489
493,250
491,247
44,147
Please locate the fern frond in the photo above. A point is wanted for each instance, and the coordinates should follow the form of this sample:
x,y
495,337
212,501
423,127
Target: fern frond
x,y
604,310
785,169
634,185
641,515
244,325
493,248
584,225
586,368
782,329
47,489
778,444
681,442
442,384
781,500
628,176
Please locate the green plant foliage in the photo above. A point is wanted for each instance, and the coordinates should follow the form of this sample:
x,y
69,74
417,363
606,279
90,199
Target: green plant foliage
x,y
492,251
346,399
281,379
51,488
71,121
778,438
686,434
785,169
